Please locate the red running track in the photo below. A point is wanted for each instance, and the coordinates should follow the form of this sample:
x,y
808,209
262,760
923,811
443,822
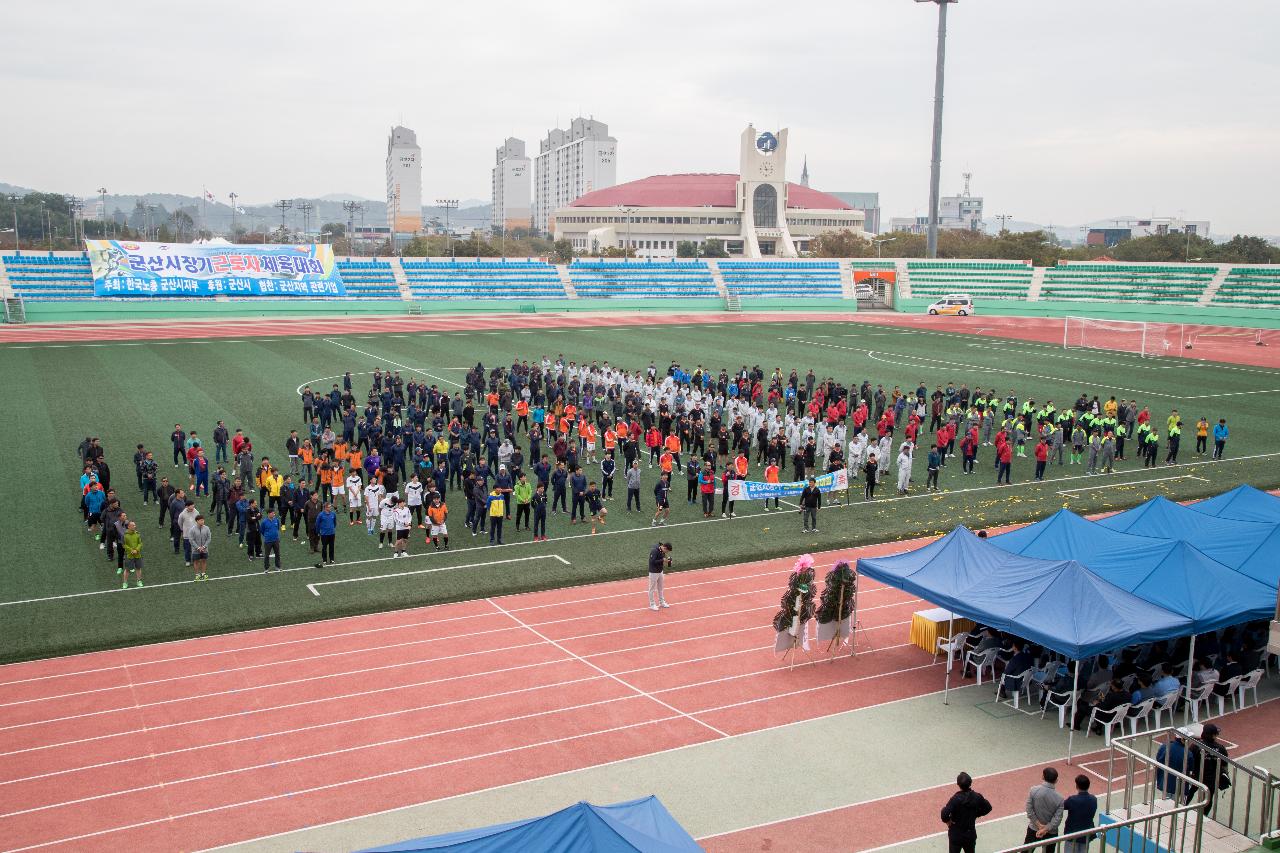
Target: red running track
x,y
206,742
251,327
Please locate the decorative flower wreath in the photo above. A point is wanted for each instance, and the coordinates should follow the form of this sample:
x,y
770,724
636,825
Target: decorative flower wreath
x,y
837,593
800,587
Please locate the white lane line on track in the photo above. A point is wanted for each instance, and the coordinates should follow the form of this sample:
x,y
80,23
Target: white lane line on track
x,y
314,587
1069,492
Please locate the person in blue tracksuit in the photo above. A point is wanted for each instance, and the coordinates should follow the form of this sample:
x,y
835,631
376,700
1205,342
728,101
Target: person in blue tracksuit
x,y
269,527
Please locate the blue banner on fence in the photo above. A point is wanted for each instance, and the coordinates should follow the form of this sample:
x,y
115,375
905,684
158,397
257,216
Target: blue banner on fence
x,y
127,268
750,490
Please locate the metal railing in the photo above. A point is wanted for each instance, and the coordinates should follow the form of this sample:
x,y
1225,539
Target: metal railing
x,y
1250,803
1171,823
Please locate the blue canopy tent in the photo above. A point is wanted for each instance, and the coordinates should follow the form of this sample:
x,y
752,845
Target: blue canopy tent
x,y
642,825
1246,546
1169,572
1058,604
1243,503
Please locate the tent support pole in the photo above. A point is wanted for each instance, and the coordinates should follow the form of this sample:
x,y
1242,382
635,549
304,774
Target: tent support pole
x,y
1191,658
1071,723
946,685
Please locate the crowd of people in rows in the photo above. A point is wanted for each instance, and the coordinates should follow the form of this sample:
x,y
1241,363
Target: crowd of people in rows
x,y
553,437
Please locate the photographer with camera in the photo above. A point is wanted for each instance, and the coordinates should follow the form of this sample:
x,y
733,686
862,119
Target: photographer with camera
x,y
659,562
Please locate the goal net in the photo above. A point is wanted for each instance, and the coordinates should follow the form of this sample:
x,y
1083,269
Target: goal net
x,y
1114,335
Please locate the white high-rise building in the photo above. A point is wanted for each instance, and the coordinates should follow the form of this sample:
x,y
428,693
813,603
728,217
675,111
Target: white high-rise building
x,y
511,187
571,163
404,181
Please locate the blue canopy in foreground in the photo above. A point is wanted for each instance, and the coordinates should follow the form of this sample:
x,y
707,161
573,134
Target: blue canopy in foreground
x,y
1168,572
1059,604
638,825
1243,503
1249,547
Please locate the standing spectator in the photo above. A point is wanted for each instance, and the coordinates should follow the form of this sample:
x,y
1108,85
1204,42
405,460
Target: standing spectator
x,y
961,814
495,508
403,518
148,469
523,494
1004,464
132,555
177,503
138,457
661,493
1080,808
199,538
186,523
539,502
659,562
933,465
1044,810
291,447
326,525
269,527
179,440
438,514
633,485
1220,434
1207,759
252,528
871,470
220,437
810,503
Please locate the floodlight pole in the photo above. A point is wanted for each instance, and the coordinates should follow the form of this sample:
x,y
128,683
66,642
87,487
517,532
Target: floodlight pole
x,y
935,165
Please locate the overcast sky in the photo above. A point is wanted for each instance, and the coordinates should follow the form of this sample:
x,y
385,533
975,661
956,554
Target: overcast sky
x,y
1064,112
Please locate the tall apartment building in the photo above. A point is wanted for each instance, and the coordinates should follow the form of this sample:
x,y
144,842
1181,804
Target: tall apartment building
x,y
571,163
404,181
511,186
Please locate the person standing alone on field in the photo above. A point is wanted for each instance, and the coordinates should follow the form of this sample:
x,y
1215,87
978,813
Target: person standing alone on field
x,y
961,814
1044,810
810,503
1220,433
200,536
132,555
659,562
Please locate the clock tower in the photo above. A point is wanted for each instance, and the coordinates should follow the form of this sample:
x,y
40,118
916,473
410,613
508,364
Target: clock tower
x,y
762,194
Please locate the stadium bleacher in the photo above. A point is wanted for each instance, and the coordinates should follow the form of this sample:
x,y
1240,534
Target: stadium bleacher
x,y
368,279
1095,282
503,278
47,277
597,278
980,279
1250,287
798,279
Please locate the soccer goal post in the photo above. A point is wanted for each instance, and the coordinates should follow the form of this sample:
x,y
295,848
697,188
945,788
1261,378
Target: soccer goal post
x,y
1114,335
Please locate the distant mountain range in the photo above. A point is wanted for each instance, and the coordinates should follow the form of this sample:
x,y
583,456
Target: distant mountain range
x,y
471,213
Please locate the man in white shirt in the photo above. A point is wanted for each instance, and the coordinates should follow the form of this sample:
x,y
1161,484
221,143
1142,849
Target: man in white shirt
x,y
373,495
387,519
402,519
354,484
413,492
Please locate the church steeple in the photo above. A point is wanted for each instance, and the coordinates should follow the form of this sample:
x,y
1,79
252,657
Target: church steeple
x,y
804,173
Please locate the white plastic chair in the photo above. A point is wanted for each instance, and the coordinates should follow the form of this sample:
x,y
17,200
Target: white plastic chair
x,y
949,646
1118,713
980,661
1015,685
1167,702
1249,682
1060,700
1197,696
1228,688
1141,711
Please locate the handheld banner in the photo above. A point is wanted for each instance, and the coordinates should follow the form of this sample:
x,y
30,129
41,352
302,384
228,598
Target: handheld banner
x,y
750,490
128,268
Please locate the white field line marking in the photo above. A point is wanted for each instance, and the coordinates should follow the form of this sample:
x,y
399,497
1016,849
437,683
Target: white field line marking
x,y
1134,483
649,530
1144,364
330,379
314,587
409,625
1231,394
392,363
603,671
133,685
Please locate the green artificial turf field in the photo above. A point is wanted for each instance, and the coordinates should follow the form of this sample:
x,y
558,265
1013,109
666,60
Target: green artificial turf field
x,y
59,594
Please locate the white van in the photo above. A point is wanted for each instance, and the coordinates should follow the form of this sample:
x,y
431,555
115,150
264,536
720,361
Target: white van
x,y
960,304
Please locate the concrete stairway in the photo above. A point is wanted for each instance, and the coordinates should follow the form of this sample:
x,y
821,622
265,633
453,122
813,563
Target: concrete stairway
x,y
1219,278
717,278
562,270
402,281
847,290
1037,284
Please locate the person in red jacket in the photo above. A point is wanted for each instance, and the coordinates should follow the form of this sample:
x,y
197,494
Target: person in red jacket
x,y
1042,458
1004,453
653,441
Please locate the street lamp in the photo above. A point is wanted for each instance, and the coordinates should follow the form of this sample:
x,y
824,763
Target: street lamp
x,y
881,242
13,199
283,206
935,163
1004,221
233,197
448,204
626,248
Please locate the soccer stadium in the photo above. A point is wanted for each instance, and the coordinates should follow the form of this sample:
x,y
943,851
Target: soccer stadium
x,y
688,512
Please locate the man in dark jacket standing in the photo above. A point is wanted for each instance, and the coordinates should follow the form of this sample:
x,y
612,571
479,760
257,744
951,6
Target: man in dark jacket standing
x,y
961,813
810,501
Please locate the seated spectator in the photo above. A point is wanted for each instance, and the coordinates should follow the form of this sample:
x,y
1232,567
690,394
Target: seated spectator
x,y
1112,699
1101,675
990,640
1230,669
1203,674
1127,665
1014,669
1162,686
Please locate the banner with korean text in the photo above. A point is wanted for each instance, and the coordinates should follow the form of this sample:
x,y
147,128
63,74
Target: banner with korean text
x,y
128,268
750,490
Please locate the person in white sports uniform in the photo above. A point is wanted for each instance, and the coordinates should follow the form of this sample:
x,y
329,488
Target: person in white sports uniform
x,y
413,492
402,519
354,484
387,519
373,495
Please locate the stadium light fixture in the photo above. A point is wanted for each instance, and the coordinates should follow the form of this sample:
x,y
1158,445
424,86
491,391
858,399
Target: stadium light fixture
x,y
935,162
880,243
448,204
